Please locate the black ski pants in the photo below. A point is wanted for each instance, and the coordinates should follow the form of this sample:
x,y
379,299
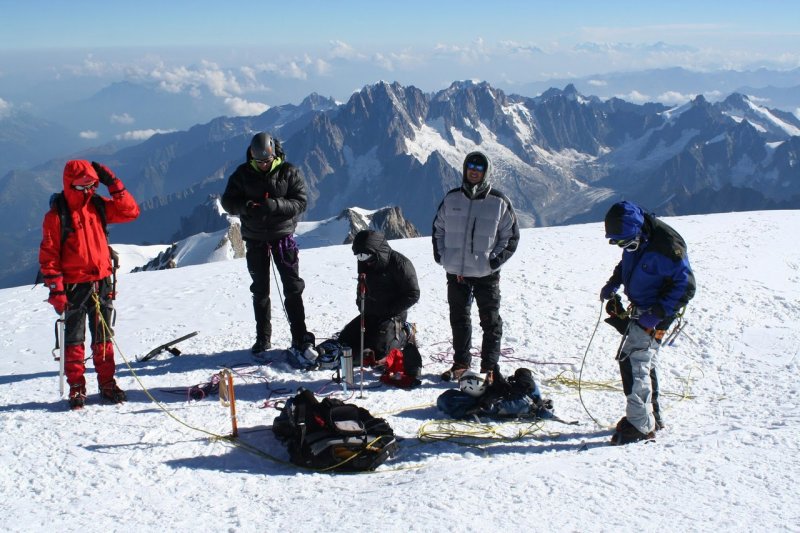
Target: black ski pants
x,y
380,335
287,261
486,292
80,304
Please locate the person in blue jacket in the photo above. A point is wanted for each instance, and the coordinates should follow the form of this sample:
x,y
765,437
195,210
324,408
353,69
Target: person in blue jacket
x,y
658,282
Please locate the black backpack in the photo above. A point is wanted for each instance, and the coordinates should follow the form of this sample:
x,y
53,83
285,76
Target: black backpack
x,y
332,435
59,203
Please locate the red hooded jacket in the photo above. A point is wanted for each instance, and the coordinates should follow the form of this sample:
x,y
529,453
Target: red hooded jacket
x,y
84,255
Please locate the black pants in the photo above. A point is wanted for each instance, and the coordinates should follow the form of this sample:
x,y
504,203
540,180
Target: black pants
x,y
81,304
287,261
380,334
486,292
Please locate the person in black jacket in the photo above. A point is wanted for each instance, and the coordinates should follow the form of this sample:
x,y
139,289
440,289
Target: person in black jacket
x,y
391,288
268,194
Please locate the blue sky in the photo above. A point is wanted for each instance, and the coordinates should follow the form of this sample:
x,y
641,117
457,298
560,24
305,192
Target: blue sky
x,y
250,55
84,23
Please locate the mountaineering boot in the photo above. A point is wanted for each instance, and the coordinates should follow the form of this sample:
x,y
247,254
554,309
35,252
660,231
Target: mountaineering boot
x,y
626,433
261,345
455,372
111,392
304,342
659,421
77,397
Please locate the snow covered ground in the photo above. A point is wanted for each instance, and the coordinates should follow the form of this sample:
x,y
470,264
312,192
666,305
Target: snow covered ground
x,y
728,460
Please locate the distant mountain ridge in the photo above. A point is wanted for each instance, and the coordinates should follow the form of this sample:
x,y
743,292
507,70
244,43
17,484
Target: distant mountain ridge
x,y
560,157
212,235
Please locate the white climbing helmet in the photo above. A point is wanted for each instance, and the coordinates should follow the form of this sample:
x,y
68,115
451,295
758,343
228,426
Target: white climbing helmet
x,y
472,383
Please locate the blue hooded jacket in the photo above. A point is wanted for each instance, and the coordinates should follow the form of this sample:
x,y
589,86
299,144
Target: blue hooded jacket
x,y
657,276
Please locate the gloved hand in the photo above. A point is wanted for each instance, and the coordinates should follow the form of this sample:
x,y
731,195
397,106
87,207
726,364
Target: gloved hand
x,y
270,206
649,320
105,175
58,297
608,290
614,307
264,209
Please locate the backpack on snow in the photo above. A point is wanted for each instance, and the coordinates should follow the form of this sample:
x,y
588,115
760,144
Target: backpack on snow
x,y
333,435
517,397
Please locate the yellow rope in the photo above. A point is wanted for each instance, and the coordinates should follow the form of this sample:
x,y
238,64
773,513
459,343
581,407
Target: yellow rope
x,y
465,433
226,438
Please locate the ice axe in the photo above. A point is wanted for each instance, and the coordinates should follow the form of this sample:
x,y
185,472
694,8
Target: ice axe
x,y
59,347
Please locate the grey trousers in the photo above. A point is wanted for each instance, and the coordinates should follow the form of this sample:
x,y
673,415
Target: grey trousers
x,y
638,356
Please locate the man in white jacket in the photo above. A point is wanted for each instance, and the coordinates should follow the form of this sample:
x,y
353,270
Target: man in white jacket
x,y
474,233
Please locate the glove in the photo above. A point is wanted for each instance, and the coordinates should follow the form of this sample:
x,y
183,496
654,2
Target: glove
x,y
269,206
649,320
608,290
58,297
256,209
614,307
105,175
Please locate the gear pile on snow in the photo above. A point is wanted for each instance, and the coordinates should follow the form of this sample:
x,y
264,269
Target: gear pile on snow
x,y
333,435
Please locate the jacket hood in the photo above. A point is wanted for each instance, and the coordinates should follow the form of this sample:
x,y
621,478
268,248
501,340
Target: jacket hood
x,y
78,172
372,242
485,184
624,220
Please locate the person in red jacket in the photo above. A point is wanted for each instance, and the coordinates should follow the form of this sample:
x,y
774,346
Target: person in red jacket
x,y
76,265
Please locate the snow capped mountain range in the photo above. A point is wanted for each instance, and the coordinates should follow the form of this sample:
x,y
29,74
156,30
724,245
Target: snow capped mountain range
x,y
560,157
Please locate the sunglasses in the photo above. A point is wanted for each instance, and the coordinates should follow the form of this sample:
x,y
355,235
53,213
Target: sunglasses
x,y
476,166
263,161
629,245
85,187
364,257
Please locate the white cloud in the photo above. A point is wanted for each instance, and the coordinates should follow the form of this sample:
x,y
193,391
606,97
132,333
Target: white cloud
x,y
178,79
635,97
322,67
294,69
249,73
520,48
673,98
597,83
342,50
242,108
88,134
383,61
476,52
139,135
5,108
124,118
797,112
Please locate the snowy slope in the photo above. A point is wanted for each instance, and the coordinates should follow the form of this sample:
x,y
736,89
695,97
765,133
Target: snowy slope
x,y
727,461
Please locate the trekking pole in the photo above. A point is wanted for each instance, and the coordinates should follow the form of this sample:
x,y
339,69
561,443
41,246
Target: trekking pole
x,y
362,291
60,348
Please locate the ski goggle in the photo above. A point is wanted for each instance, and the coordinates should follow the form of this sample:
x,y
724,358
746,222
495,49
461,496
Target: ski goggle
x,y
629,245
85,187
263,161
476,166
364,257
